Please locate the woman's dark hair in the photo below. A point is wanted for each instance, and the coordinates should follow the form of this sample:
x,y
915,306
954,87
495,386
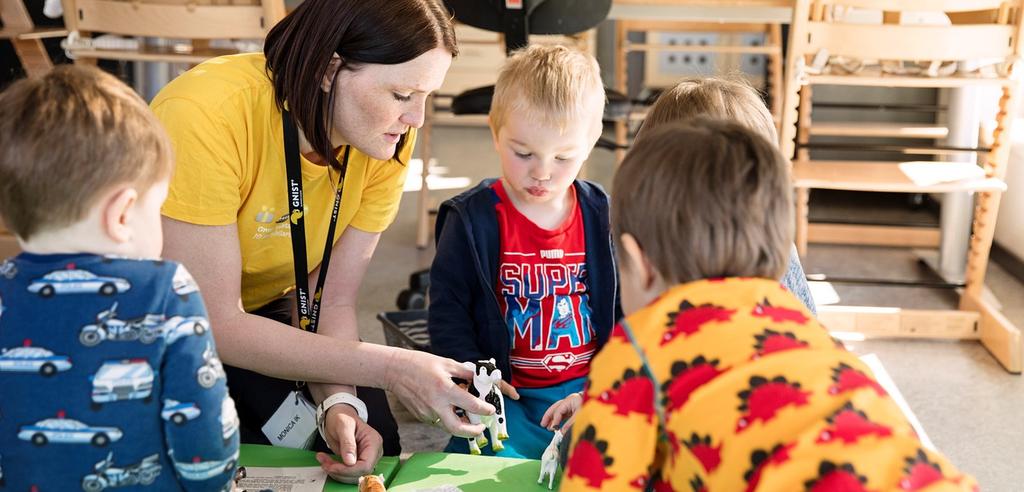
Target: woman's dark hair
x,y
388,32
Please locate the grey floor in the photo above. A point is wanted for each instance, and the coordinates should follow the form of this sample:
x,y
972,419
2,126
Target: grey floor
x,y
967,404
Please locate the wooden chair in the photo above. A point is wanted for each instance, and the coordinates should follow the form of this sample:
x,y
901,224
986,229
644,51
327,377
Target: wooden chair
x,y
27,37
982,29
771,49
198,21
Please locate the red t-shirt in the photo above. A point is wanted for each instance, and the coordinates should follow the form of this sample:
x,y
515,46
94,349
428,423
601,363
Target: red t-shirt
x,y
543,295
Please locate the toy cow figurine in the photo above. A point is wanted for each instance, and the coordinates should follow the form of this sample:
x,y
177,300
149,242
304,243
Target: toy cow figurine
x,y
549,460
485,386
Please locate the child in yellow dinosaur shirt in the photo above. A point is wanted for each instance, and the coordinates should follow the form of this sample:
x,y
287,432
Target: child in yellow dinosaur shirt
x,y
719,379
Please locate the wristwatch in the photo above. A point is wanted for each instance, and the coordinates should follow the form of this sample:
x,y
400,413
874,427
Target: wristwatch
x,y
346,398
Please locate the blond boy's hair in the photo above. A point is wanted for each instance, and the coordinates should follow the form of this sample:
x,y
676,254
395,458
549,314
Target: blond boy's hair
x,y
66,138
706,199
730,99
554,85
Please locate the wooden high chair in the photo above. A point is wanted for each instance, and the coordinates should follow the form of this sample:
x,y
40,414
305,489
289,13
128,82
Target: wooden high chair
x,y
195,21
27,38
730,25
981,30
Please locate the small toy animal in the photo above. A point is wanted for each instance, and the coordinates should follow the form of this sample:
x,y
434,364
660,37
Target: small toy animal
x,y
549,460
485,386
372,483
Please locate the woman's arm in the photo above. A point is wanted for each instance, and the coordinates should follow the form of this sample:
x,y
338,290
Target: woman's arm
x,y
358,444
422,381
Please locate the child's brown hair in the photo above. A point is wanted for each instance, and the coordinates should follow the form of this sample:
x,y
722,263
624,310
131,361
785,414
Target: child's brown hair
x,y
67,137
706,199
554,84
730,99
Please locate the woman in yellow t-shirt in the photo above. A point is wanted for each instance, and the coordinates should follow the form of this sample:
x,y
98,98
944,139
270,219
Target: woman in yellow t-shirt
x,y
251,176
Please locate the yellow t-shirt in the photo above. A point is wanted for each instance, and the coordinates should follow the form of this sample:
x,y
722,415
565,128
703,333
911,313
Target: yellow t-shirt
x,y
229,146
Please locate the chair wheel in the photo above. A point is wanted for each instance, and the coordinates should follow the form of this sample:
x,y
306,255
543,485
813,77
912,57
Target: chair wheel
x,y
411,299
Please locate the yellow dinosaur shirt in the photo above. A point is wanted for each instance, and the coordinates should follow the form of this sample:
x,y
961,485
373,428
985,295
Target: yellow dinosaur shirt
x,y
732,385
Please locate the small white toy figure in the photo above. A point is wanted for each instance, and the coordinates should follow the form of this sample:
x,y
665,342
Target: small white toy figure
x,y
485,386
549,460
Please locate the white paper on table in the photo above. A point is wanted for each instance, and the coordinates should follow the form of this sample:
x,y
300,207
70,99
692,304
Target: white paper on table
x,y
292,479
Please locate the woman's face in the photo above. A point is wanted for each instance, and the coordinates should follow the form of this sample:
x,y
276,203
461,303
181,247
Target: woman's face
x,y
375,104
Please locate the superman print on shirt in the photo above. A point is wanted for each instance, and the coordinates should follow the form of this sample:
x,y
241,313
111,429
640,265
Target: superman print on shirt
x,y
543,295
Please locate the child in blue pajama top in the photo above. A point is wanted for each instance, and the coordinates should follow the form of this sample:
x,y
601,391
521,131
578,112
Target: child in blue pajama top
x,y
108,369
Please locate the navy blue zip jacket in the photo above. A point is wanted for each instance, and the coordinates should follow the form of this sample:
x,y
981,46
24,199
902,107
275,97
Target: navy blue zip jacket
x,y
465,320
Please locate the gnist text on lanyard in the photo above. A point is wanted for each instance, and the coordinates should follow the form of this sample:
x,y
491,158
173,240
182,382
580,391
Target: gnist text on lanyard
x,y
308,308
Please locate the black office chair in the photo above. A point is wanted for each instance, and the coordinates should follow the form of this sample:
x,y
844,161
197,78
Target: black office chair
x,y
517,20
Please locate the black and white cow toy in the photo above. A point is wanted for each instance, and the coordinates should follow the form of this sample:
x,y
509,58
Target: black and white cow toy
x,y
486,377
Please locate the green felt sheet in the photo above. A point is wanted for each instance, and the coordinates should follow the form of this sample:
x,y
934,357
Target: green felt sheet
x,y
270,456
469,473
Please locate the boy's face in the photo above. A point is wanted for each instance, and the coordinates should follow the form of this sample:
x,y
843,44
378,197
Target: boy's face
x,y
147,233
539,161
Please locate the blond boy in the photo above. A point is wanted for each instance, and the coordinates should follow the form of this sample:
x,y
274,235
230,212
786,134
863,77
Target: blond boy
x,y
523,272
109,372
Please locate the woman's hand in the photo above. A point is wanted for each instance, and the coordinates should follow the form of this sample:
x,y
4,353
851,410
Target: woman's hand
x,y
424,384
358,444
562,412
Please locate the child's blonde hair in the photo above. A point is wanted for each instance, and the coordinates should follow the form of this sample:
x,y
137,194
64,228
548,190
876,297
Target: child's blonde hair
x,y
730,99
555,85
67,137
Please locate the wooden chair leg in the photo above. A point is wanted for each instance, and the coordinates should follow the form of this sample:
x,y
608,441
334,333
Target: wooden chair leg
x,y
31,52
790,97
803,125
987,205
426,154
999,336
775,75
801,211
621,85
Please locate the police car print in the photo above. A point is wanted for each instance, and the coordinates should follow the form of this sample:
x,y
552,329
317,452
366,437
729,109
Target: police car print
x,y
182,326
228,418
29,359
73,281
179,412
119,380
63,430
199,469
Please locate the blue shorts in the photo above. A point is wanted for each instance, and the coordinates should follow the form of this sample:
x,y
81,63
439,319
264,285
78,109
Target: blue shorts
x,y
527,439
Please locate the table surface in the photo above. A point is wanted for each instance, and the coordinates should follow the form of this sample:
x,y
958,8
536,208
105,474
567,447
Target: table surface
x,y
270,456
420,471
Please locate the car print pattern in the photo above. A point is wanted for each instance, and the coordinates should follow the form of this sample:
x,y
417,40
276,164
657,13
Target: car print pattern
x,y
108,366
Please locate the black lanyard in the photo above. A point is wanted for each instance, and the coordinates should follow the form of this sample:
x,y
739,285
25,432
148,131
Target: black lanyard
x,y
309,310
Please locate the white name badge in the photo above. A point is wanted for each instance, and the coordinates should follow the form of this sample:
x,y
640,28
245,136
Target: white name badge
x,y
293,425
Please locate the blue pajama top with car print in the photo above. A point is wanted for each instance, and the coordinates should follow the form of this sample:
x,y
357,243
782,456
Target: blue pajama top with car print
x,y
109,378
